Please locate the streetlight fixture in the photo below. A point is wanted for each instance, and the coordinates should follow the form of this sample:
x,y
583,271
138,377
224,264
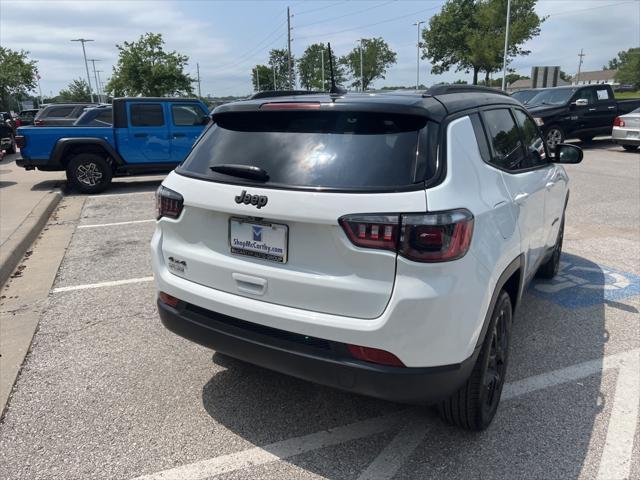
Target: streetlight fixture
x,y
86,65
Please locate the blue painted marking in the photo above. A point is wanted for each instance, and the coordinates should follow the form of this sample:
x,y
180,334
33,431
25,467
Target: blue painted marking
x,y
582,283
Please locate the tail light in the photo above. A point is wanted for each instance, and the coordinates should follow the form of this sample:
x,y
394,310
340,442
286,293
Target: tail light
x,y
168,203
18,122
38,123
21,141
168,299
618,122
429,237
374,355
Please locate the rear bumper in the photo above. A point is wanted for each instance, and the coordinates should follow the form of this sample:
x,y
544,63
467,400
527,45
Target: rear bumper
x,y
312,359
40,164
620,136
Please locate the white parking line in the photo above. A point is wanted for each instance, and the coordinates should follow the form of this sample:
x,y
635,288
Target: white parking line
x,y
115,223
394,455
102,284
618,448
279,450
108,195
616,458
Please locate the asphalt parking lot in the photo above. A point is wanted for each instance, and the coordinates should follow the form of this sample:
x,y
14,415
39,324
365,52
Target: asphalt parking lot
x,y
107,392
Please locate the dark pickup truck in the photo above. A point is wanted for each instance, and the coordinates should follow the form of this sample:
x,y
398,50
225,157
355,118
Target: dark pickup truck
x,y
579,111
148,135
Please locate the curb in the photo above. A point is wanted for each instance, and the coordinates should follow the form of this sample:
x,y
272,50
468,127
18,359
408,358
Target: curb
x,y
14,248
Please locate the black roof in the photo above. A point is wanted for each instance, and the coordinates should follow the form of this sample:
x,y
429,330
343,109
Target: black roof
x,y
434,103
156,99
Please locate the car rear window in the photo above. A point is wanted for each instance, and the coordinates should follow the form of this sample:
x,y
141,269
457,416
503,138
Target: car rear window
x,y
58,111
336,150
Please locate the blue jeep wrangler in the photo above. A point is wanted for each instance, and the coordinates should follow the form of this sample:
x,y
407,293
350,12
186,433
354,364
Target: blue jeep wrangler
x,y
149,135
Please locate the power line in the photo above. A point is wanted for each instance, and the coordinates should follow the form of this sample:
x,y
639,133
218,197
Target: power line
x,y
346,14
591,8
311,10
324,34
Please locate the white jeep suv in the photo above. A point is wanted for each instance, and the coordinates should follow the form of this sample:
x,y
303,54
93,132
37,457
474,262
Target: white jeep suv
x,y
375,243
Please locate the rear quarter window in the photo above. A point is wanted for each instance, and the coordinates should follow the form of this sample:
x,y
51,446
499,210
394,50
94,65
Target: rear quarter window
x,y
58,112
335,150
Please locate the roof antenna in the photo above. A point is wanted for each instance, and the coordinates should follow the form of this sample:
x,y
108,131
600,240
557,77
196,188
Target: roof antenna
x,y
335,89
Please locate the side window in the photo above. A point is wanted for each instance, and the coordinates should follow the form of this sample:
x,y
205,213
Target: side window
x,y
533,143
589,94
504,136
185,115
481,137
146,115
105,116
602,94
59,111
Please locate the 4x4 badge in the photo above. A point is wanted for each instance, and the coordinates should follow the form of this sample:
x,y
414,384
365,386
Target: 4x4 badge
x,y
248,199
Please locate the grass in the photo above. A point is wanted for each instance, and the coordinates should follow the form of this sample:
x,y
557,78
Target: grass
x,y
622,95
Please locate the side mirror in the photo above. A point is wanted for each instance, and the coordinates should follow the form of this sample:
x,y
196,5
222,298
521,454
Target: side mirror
x,y
567,153
581,102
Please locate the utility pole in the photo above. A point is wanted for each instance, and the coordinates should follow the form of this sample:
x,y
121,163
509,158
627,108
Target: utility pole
x,y
506,46
274,78
95,77
579,65
289,47
361,67
418,23
39,88
198,73
100,86
322,64
86,65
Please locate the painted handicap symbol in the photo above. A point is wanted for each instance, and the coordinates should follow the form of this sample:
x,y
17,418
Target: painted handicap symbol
x,y
581,283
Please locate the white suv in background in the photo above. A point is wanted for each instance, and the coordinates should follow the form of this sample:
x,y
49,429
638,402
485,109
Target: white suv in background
x,y
375,243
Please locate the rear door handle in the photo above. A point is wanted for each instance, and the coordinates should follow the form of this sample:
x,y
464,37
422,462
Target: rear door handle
x,y
611,108
520,198
141,135
592,109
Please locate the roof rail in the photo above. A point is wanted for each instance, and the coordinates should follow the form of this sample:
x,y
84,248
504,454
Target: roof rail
x,y
282,93
447,88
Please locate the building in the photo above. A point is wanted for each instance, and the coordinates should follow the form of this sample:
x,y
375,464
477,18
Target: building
x,y
525,84
594,78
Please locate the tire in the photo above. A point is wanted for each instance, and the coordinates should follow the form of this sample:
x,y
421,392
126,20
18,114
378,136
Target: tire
x,y
630,148
475,404
89,173
553,136
13,148
550,268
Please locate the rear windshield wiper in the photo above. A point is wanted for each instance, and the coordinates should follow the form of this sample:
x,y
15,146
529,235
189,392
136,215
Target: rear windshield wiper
x,y
244,171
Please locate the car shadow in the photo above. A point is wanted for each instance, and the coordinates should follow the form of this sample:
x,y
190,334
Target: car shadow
x,y
545,433
7,184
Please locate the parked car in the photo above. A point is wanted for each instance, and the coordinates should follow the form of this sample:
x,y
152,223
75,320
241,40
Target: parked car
x,y
60,114
148,135
27,117
7,132
523,96
577,111
100,116
375,243
626,130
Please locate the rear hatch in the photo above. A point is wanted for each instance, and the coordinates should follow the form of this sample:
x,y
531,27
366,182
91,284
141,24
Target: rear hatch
x,y
275,235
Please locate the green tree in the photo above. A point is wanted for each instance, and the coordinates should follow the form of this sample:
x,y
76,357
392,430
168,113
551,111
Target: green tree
x,y
565,76
77,91
468,35
266,78
278,61
17,76
629,67
310,68
145,68
377,58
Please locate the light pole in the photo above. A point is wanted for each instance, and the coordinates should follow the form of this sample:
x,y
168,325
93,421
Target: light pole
x,y
95,77
506,46
417,24
86,65
322,65
98,72
361,67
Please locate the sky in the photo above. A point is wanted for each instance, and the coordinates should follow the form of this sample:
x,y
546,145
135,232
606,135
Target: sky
x,y
227,38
